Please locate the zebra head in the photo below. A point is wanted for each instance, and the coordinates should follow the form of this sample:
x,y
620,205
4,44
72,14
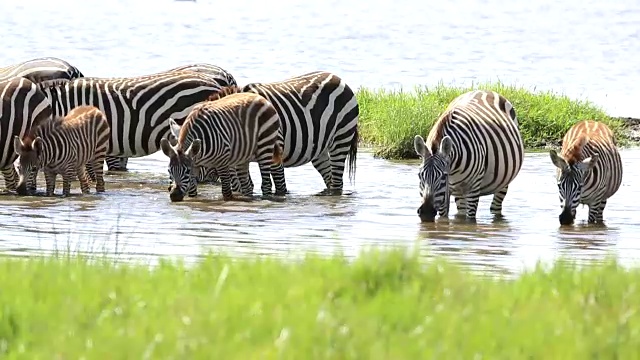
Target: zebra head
x,y
434,177
27,164
181,169
571,177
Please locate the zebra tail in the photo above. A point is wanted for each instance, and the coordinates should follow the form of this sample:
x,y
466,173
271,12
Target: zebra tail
x,y
277,154
352,154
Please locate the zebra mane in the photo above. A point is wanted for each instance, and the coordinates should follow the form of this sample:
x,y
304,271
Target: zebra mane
x,y
224,91
438,130
573,152
47,84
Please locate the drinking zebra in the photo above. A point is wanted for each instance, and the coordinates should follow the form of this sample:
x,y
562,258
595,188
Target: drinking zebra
x,y
589,170
473,149
65,145
137,108
229,130
23,107
215,73
41,69
318,114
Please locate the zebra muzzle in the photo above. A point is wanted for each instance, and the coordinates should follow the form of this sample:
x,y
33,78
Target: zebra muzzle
x,y
427,212
566,217
176,195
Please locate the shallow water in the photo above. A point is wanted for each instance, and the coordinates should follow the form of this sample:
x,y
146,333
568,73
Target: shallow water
x,y
586,49
136,218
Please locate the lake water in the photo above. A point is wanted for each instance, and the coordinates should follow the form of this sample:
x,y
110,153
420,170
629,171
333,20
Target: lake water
x,y
586,49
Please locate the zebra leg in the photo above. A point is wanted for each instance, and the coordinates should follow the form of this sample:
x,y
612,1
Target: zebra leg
x,y
244,178
225,179
50,180
67,177
89,168
83,178
323,165
98,170
596,211
277,173
460,205
498,198
116,163
10,178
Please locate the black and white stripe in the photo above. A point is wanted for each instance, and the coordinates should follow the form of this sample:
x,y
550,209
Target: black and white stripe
x,y
213,72
474,149
41,69
138,109
65,146
318,114
227,132
23,106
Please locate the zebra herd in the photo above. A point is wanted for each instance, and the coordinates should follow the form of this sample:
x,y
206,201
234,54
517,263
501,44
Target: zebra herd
x,y
56,120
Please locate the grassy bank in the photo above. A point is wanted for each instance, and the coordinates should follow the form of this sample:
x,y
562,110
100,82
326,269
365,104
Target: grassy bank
x,y
383,306
390,119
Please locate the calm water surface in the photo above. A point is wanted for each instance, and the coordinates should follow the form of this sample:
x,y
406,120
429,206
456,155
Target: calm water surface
x,y
587,49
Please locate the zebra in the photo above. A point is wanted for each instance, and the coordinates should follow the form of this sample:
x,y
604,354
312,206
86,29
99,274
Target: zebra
x,y
318,114
215,73
589,170
41,69
228,130
137,108
24,106
65,145
473,149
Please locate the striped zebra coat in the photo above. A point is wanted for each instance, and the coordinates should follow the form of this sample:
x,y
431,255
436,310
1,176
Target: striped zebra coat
x,y
318,114
65,145
473,149
214,73
229,130
588,170
138,109
23,107
41,69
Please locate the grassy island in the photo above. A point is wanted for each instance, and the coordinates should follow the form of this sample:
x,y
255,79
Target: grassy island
x,y
383,305
390,119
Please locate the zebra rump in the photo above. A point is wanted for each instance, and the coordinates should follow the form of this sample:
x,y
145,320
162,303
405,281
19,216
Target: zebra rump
x,y
214,73
588,170
65,145
23,107
41,69
227,131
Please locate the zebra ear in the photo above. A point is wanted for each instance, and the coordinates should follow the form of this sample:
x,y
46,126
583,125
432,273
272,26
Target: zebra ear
x,y
446,146
166,147
590,162
421,148
17,144
175,128
37,145
194,149
557,160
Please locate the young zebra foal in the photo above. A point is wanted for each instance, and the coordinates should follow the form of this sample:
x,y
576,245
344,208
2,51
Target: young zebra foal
x,y
230,129
65,145
589,170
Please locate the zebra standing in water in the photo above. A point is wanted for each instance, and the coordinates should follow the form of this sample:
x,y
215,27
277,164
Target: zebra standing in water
x,y
41,69
229,130
23,106
589,170
65,145
473,149
138,108
318,114
213,72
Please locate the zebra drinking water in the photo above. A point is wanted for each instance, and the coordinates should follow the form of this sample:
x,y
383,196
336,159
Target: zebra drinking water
x,y
473,149
65,145
229,130
23,106
589,170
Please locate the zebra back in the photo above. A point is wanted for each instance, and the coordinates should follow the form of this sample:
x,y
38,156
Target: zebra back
x,y
41,69
586,139
216,73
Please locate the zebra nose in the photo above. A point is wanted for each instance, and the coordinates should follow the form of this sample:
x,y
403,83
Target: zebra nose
x,y
176,195
566,217
427,212
22,189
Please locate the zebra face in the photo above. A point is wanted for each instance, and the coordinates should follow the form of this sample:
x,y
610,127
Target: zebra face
x,y
571,178
27,163
434,177
181,169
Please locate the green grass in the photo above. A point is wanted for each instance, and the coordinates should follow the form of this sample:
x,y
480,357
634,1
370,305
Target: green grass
x,y
390,119
385,305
